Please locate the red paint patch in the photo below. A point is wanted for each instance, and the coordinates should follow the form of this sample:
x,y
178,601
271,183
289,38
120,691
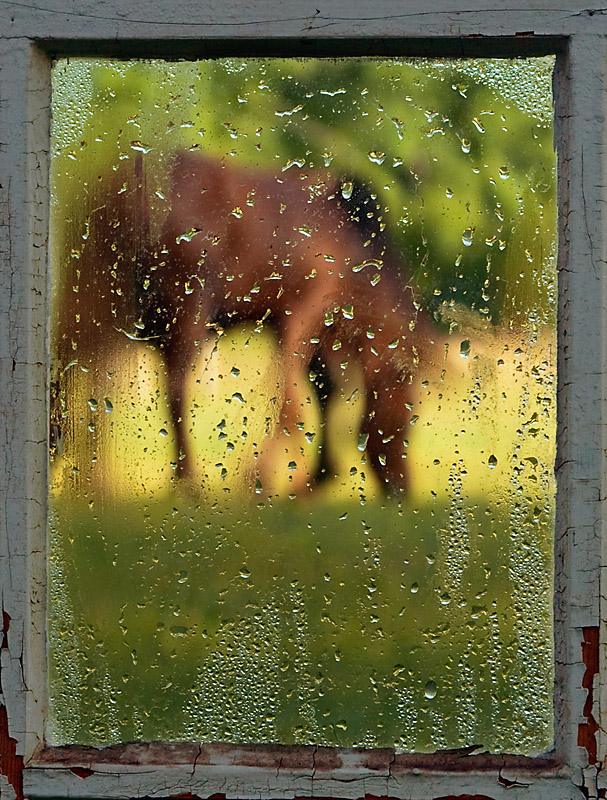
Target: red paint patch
x,y
217,796
586,735
11,765
82,772
465,797
190,796
6,623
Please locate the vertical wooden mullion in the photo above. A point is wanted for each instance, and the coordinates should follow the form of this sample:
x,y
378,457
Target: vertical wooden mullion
x,y
582,400
24,124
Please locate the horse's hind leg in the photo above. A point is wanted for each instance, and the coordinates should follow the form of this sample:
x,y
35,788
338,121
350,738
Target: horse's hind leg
x,y
385,425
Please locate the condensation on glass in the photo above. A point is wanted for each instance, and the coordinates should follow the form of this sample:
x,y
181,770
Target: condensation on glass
x,y
303,403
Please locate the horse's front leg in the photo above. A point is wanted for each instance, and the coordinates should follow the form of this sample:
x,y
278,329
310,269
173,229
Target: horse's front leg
x,y
181,350
178,360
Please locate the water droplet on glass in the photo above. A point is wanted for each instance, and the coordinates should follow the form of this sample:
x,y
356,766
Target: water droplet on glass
x,y
108,405
430,690
467,236
478,125
504,173
348,311
163,432
363,438
492,462
143,148
464,348
465,146
367,263
187,235
377,157
93,404
346,190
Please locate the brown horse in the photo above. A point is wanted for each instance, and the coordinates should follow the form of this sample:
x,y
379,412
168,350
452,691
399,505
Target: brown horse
x,y
299,251
305,254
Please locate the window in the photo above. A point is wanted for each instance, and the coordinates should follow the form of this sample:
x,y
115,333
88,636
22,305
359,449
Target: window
x,y
303,403
141,770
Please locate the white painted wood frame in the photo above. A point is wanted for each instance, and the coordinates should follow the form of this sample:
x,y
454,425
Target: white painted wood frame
x,y
31,34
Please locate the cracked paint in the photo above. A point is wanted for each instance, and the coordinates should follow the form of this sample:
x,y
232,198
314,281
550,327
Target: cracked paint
x,y
388,797
104,25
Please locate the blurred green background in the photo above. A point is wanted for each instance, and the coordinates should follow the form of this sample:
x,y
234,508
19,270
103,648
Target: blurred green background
x,y
345,618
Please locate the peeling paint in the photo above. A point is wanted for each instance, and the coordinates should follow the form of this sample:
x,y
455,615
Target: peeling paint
x,y
387,797
364,797
465,797
6,621
582,401
82,772
190,796
509,783
11,765
590,655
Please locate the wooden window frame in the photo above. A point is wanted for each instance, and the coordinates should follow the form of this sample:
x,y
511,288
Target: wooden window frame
x,y
35,33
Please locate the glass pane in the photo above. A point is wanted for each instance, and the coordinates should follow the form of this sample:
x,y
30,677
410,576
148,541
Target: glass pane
x,y
303,403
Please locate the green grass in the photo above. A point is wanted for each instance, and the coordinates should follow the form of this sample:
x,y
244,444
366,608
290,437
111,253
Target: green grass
x,y
296,622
